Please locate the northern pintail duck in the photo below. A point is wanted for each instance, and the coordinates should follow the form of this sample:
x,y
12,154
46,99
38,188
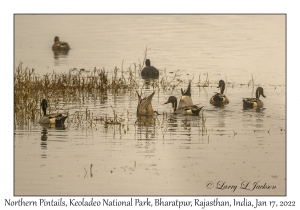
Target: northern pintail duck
x,y
56,119
189,110
186,98
256,103
149,71
219,99
144,107
60,46
185,105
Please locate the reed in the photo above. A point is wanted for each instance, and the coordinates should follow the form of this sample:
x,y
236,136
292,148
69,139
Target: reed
x,y
30,89
206,82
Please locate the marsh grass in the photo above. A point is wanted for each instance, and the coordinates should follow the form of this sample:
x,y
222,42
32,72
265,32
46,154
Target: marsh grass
x,y
205,83
62,88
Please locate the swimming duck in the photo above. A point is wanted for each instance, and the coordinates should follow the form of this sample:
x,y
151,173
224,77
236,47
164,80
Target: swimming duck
x,y
220,99
144,107
189,110
149,71
256,103
52,119
59,46
186,98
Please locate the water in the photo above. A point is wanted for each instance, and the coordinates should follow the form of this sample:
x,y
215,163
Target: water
x,y
171,155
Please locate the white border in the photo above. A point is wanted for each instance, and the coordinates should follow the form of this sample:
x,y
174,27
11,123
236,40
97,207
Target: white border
x,y
291,8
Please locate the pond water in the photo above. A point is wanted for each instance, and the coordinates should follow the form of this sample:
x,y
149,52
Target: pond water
x,y
169,155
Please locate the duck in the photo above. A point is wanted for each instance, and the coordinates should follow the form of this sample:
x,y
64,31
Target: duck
x,y
60,46
149,71
186,97
219,99
186,105
188,110
144,107
56,119
256,103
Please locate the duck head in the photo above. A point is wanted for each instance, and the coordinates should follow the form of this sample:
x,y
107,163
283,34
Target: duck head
x,y
173,101
44,105
260,91
187,92
147,62
56,39
221,86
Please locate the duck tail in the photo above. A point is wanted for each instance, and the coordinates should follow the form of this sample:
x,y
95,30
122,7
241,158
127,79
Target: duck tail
x,y
196,112
59,121
187,92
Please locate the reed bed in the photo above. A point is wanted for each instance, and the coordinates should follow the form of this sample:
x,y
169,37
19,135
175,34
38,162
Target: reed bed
x,y
61,88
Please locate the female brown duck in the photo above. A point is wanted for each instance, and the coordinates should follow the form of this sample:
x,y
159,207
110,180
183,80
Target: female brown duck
x,y
144,107
59,45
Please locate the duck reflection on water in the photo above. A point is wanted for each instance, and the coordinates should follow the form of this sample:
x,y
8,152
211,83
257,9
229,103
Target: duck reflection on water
x,y
147,126
44,137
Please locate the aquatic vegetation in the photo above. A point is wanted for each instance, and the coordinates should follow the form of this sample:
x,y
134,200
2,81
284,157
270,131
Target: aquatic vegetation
x,y
88,120
167,85
206,82
61,89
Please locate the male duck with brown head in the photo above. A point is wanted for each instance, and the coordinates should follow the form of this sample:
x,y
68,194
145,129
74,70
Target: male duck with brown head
x,y
55,119
60,46
144,107
149,72
185,105
219,99
254,103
